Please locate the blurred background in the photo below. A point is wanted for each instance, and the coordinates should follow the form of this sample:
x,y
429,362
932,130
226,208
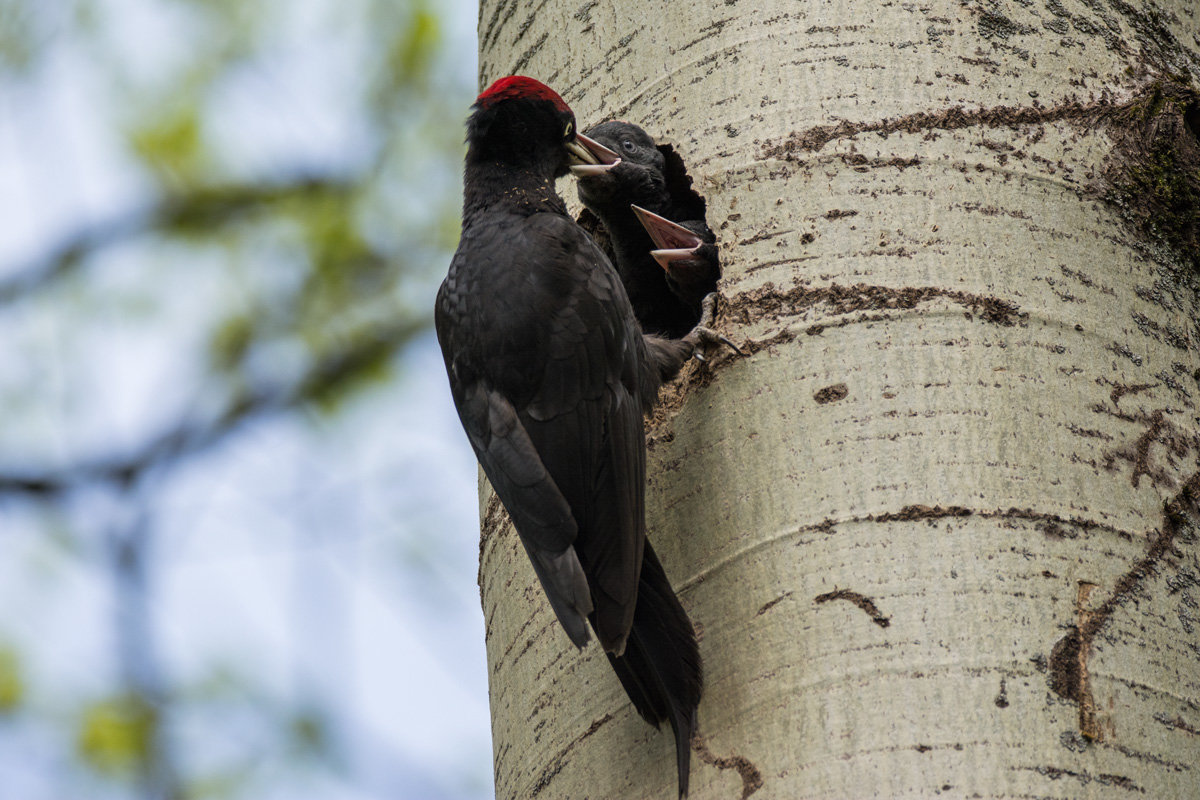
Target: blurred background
x,y
238,526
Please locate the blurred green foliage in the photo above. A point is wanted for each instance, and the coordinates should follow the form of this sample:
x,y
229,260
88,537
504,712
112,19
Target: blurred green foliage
x,y
12,686
17,36
115,735
172,146
410,53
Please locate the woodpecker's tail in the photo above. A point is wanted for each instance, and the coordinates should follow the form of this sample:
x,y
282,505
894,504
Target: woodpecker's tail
x,y
660,669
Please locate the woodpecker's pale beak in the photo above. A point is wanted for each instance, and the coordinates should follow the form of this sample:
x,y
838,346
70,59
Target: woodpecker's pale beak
x,y
675,242
590,157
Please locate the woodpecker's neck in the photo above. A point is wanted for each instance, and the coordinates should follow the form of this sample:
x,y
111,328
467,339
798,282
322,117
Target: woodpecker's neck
x,y
498,185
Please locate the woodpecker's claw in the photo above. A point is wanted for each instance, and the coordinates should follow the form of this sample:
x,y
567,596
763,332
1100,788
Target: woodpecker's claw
x,y
707,336
703,334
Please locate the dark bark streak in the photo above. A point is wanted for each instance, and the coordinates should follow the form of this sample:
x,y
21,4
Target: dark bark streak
x,y
1103,778
915,512
1177,723
772,603
1120,390
494,520
862,601
520,63
815,138
772,302
560,759
487,38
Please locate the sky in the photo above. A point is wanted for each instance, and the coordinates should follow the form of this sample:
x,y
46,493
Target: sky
x,y
312,559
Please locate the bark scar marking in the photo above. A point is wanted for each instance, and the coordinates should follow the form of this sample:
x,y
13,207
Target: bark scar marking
x,y
831,394
1069,656
1139,454
752,779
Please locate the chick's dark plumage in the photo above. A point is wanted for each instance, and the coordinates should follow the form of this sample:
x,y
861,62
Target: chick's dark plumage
x,y
551,376
652,177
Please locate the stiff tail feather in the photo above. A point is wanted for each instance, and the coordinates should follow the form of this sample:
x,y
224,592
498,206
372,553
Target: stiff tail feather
x,y
661,669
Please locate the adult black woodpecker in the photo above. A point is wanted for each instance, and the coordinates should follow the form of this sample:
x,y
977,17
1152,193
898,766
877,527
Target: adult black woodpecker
x,y
666,292
551,376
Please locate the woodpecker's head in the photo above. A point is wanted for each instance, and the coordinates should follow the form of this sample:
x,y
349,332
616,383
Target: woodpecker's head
x,y
523,123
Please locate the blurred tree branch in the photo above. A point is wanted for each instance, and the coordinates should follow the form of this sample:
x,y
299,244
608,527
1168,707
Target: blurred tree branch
x,y
323,378
200,211
148,696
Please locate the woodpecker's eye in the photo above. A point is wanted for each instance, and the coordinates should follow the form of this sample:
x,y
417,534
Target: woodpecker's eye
x,y
628,145
570,129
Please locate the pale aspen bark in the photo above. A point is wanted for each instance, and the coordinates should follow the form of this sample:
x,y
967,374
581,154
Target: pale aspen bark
x,y
937,530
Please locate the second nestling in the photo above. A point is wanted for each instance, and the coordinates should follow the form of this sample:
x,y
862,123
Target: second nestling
x,y
654,224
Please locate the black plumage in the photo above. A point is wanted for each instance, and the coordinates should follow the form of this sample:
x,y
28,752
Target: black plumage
x,y
665,300
551,376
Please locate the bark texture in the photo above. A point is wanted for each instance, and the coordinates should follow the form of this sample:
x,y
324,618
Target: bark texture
x,y
938,531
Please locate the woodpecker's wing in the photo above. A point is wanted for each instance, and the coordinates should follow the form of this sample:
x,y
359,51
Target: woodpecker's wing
x,y
549,400
586,421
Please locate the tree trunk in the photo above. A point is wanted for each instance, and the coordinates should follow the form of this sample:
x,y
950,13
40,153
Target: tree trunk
x,y
937,531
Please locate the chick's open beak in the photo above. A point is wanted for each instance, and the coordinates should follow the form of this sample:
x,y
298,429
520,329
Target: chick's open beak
x,y
675,242
664,233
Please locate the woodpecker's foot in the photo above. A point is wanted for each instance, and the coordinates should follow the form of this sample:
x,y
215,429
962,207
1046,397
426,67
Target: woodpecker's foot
x,y
703,335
